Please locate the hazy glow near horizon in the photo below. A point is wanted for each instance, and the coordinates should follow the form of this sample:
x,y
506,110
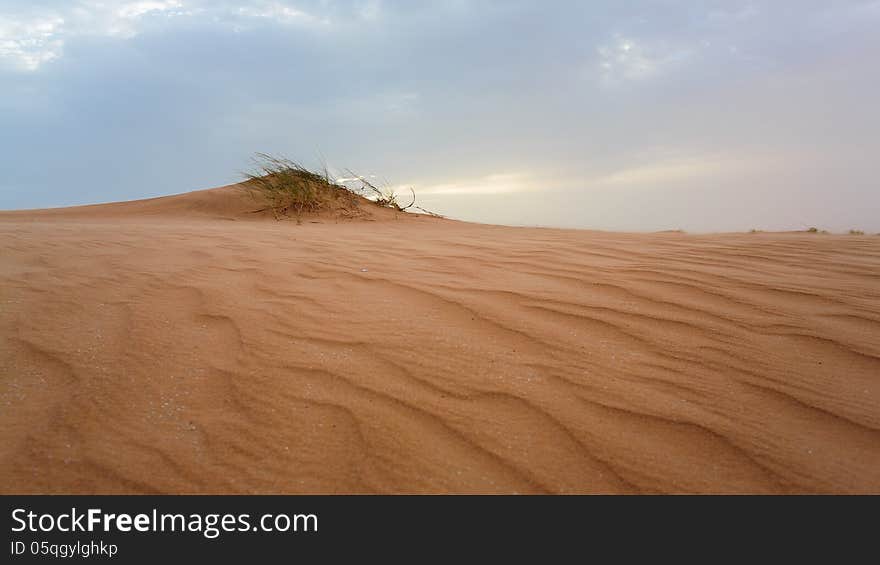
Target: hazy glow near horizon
x,y
703,116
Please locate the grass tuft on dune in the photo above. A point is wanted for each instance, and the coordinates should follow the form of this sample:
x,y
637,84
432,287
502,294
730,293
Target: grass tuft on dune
x,y
290,189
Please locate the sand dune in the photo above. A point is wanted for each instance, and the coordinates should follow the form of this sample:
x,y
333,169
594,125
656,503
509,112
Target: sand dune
x,y
157,346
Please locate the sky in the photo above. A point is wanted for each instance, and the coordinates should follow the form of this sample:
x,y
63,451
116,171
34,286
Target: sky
x,y
638,116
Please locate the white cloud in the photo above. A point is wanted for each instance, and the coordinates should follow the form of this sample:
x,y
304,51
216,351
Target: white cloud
x,y
27,44
656,174
664,171
29,40
498,183
629,59
370,10
124,20
281,12
138,9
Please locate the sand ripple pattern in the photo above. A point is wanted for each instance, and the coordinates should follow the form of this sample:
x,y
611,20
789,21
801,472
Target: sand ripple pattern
x,y
422,355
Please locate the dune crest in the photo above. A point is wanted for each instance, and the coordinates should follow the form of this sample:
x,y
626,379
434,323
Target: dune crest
x,y
231,202
191,355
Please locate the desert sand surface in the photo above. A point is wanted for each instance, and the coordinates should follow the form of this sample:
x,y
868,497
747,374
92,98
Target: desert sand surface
x,y
187,345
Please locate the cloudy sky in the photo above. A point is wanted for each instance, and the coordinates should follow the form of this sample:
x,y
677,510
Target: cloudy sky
x,y
704,116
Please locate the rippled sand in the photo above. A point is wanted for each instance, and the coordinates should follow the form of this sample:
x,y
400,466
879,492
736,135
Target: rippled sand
x,y
161,347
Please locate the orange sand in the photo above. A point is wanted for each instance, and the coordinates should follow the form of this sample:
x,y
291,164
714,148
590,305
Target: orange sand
x,y
185,345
